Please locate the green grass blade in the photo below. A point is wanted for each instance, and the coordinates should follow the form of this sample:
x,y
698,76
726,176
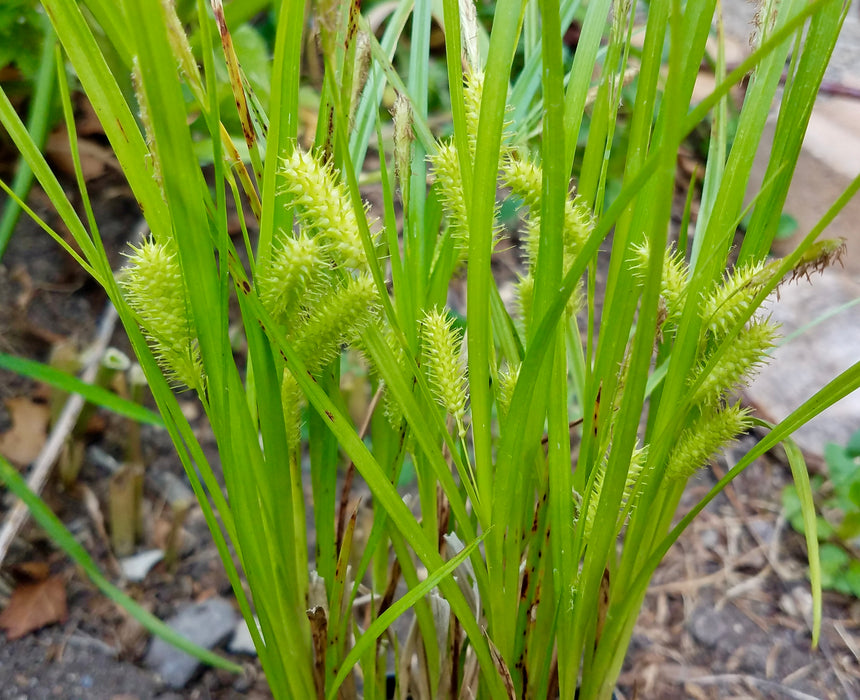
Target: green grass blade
x,y
794,114
91,392
283,124
116,118
800,474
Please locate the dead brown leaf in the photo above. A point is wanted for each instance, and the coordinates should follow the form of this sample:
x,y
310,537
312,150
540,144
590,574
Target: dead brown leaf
x,y
31,571
22,443
34,605
95,158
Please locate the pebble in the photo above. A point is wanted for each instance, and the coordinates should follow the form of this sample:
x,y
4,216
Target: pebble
x,y
242,642
709,538
207,624
136,567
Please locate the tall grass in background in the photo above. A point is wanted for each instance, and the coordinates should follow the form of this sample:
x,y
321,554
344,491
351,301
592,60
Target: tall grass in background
x,y
525,575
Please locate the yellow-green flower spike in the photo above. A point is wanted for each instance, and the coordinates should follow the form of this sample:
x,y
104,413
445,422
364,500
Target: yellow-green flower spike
x,y
446,170
507,383
525,290
703,440
472,94
442,346
285,276
334,321
323,205
393,411
634,475
291,400
155,291
578,225
744,355
523,176
731,301
675,277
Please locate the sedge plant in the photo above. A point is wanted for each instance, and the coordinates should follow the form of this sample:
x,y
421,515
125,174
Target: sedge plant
x,y
551,438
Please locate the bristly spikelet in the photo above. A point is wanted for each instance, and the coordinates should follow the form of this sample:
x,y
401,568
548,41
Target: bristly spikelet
x,y
704,439
744,355
442,345
531,239
446,170
730,302
673,287
523,176
508,377
634,475
291,401
285,276
323,205
578,225
335,320
525,287
525,291
154,288
473,91
393,410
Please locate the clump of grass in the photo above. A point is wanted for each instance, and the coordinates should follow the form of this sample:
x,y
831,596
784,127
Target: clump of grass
x,y
548,601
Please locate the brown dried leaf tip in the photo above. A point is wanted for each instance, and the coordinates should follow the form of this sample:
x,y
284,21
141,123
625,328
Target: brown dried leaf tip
x,y
821,255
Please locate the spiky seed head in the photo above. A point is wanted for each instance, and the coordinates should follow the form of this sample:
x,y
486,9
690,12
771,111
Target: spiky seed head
x,y
508,377
730,302
743,356
673,287
525,291
578,225
442,345
634,476
446,171
523,176
284,277
703,440
155,290
324,206
291,401
472,94
336,320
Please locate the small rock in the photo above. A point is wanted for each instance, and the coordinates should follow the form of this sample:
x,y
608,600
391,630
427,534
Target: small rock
x,y
797,603
762,528
709,538
207,624
136,567
242,642
709,628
